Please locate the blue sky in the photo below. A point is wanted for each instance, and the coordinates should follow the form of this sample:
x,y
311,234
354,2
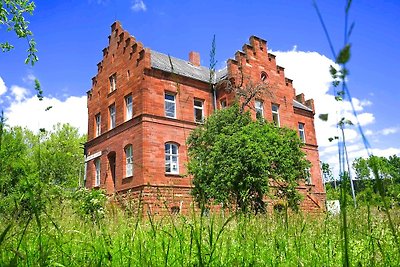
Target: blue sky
x,y
70,36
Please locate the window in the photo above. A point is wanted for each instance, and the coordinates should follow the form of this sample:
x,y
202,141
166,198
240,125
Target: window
x,y
97,174
259,109
112,116
308,176
275,114
128,106
98,124
264,76
302,133
113,82
129,161
223,103
170,105
198,111
171,158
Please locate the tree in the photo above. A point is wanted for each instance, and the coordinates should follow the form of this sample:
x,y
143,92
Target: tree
x,y
12,14
233,159
62,156
388,171
34,167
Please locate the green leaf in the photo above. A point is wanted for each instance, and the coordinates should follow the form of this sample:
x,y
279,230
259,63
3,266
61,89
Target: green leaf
x,y
344,55
323,117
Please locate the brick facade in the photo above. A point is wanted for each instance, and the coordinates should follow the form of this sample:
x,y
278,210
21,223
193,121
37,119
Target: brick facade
x,y
131,73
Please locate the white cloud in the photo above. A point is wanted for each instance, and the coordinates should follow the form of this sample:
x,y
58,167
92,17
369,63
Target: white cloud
x,y
29,79
310,74
388,131
30,113
3,88
19,93
138,5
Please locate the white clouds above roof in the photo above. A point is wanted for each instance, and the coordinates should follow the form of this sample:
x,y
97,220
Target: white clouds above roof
x,y
310,74
139,5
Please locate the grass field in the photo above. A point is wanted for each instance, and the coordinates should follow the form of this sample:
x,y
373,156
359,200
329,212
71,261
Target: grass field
x,y
63,238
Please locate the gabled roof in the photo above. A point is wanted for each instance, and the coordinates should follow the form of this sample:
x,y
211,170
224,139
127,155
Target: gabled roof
x,y
185,68
297,104
182,67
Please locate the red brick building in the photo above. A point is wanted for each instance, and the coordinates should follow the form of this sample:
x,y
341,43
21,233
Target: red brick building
x,y
143,104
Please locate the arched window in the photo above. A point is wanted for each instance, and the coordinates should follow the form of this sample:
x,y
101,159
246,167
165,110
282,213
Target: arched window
x,y
171,158
128,161
264,76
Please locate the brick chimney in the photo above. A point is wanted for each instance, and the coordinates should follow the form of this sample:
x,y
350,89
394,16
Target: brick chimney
x,y
194,58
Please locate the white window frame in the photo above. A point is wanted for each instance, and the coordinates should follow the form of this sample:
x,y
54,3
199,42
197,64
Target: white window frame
x,y
198,108
259,107
170,102
113,82
302,132
128,107
275,114
112,116
97,119
171,158
97,175
128,161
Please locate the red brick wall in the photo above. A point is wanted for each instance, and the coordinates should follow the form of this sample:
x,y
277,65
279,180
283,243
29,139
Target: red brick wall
x,y
149,129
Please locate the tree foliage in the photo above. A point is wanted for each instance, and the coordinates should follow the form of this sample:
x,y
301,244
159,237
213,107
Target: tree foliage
x,y
12,15
36,167
389,173
233,160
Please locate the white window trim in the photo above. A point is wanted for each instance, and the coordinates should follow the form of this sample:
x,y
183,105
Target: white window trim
x,y
260,109
170,101
276,113
97,119
170,161
302,132
112,115
128,161
97,167
128,108
198,108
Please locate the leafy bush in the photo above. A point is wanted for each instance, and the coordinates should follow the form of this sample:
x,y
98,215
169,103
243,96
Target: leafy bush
x,y
90,204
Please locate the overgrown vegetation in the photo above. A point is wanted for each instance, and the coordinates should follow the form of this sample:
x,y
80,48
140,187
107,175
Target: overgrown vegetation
x,y
233,159
68,239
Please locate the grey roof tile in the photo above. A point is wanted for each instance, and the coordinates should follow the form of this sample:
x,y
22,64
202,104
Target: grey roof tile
x,y
182,67
297,104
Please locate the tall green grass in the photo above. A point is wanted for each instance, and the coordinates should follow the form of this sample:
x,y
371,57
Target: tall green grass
x,y
216,240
